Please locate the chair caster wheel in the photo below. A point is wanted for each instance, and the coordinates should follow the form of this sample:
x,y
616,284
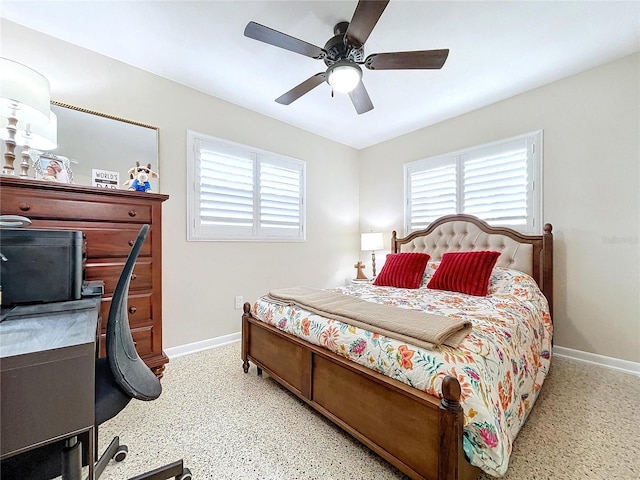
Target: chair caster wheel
x,y
186,475
121,453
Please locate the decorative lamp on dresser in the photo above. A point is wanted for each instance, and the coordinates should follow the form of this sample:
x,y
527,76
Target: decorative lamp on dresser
x,y
110,220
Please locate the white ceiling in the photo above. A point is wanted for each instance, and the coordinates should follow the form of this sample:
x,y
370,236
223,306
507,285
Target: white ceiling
x,y
497,50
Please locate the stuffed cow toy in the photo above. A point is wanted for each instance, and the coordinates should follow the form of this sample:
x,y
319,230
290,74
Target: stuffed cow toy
x,y
139,177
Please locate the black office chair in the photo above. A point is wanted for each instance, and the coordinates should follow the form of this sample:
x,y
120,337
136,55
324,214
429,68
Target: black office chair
x,y
119,377
122,375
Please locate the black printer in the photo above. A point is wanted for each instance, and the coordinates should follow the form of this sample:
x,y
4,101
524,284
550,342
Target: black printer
x,y
39,266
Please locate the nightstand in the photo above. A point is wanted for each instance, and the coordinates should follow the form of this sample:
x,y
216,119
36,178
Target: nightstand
x,y
363,281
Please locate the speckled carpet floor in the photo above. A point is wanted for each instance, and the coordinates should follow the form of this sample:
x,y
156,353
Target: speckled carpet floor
x,y
230,426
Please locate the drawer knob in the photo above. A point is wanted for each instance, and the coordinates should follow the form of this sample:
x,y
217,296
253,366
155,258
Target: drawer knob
x,y
133,276
131,242
132,310
25,207
132,213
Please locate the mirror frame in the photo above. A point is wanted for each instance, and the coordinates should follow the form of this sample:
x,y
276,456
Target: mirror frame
x,y
119,119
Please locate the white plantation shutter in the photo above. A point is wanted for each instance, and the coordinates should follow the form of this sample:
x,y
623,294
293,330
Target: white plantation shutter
x,y
280,199
499,183
496,183
243,193
433,194
226,190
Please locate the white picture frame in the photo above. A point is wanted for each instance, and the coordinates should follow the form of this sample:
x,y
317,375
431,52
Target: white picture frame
x,y
53,168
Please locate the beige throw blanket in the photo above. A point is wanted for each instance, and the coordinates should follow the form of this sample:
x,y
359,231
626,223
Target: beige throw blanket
x,y
412,326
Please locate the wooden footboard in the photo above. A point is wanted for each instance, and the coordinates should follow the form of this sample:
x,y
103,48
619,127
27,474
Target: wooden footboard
x,y
421,435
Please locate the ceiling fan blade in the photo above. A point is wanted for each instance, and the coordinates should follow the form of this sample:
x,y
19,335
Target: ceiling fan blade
x,y
360,99
273,37
420,59
305,87
367,14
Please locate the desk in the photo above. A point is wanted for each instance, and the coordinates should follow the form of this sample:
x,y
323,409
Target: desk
x,y
47,374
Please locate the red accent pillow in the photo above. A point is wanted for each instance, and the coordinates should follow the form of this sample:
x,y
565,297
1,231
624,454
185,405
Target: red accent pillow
x,y
402,270
464,272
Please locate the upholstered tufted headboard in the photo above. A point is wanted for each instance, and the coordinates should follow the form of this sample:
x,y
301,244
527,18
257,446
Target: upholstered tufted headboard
x,y
531,254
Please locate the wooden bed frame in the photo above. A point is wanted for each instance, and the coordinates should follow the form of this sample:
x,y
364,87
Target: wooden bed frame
x,y
425,441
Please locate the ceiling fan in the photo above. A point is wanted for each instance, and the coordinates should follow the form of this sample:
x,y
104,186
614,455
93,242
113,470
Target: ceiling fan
x,y
344,53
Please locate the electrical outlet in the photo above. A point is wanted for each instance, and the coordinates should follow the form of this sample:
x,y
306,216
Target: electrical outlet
x,y
239,302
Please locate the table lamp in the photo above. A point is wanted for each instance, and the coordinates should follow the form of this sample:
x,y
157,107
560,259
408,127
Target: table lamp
x,y
25,97
372,241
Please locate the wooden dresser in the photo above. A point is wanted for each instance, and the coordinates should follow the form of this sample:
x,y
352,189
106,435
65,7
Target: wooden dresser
x,y
110,221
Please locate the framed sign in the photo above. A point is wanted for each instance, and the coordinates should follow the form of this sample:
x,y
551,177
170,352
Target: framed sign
x,y
104,178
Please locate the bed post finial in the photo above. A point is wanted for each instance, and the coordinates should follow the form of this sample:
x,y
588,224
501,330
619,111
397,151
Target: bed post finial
x,y
451,392
548,227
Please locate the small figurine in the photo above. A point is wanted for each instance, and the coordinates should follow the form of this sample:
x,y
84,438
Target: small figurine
x,y
139,177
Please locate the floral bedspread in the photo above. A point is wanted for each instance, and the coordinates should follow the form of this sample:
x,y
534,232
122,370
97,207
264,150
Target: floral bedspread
x,y
500,365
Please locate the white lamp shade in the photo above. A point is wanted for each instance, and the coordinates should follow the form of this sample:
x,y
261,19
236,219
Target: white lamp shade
x,y
40,136
24,93
371,241
344,76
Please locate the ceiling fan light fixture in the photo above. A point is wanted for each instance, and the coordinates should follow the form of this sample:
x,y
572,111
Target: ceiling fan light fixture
x,y
344,76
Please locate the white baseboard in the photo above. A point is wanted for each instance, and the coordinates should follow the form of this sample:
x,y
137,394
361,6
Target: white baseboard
x,y
609,362
174,352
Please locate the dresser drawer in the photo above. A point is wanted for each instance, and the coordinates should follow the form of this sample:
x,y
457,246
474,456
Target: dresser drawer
x,y
112,242
141,278
103,240
138,306
142,339
34,206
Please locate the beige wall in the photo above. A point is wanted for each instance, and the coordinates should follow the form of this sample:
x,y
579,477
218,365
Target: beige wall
x,y
591,185
591,194
201,279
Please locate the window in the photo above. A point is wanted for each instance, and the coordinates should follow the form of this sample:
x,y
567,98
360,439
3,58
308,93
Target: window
x,y
238,192
500,182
